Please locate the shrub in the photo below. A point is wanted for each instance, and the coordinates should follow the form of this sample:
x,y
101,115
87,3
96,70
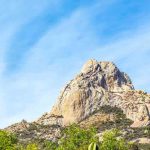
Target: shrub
x,y
112,142
8,141
49,145
32,147
75,138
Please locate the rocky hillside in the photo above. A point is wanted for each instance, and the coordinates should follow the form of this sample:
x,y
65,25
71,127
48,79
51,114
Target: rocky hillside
x,y
92,98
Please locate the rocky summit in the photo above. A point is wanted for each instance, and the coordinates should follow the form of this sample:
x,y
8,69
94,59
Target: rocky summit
x,y
99,85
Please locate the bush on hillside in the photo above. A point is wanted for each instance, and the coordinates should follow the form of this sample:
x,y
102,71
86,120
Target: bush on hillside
x,y
32,146
75,138
8,141
49,145
111,141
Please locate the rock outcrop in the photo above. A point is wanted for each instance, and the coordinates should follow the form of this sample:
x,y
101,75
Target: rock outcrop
x,y
100,84
28,132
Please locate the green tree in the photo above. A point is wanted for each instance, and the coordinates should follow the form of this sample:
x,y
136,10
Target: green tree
x,y
32,146
75,138
112,142
8,141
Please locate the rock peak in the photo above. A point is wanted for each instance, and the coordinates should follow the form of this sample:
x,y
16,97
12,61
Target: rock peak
x,y
89,66
106,75
92,65
92,88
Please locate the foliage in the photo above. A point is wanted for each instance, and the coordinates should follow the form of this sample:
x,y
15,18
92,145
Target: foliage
x,y
7,141
111,141
74,138
93,146
32,146
49,145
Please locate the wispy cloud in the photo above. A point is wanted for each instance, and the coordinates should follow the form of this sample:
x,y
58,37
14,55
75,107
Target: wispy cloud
x,y
47,47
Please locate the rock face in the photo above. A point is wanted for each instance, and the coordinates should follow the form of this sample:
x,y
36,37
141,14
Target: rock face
x,y
100,84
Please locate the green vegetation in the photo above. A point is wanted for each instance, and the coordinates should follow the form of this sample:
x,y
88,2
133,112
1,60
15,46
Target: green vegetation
x,y
32,147
74,138
7,141
49,145
111,141
120,122
93,146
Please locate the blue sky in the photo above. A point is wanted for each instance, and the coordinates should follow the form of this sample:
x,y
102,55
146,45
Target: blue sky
x,y
43,44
